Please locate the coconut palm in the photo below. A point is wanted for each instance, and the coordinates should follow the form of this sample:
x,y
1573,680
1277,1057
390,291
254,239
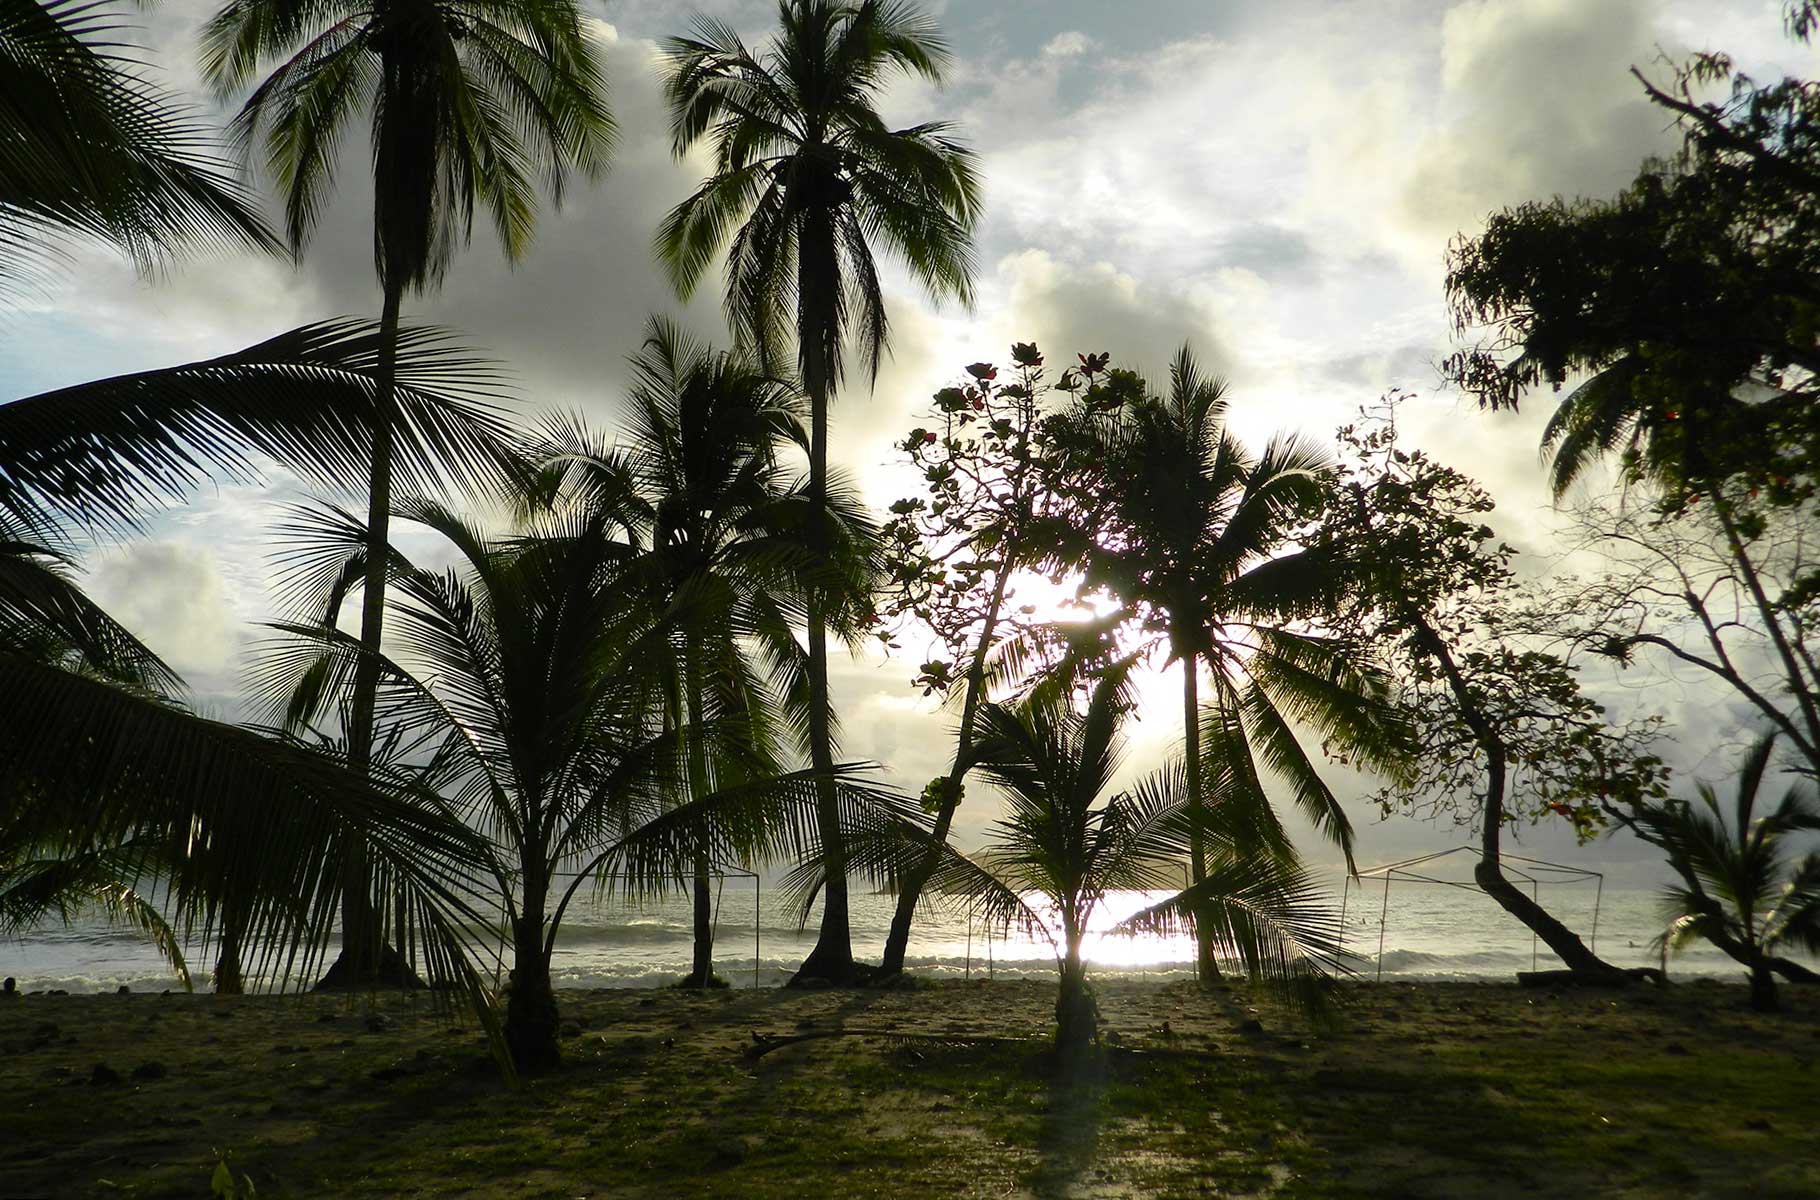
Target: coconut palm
x,y
471,101
701,455
1739,888
1066,841
91,147
104,791
96,458
807,179
533,684
1194,535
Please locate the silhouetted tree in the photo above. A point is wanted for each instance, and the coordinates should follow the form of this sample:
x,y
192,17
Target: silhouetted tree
x,y
807,180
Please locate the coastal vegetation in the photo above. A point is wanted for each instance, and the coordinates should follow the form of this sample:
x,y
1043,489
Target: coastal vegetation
x,y
522,662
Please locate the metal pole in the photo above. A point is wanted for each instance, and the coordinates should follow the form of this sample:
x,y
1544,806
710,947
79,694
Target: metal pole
x,y
1383,918
1533,899
969,974
1598,898
1345,888
757,927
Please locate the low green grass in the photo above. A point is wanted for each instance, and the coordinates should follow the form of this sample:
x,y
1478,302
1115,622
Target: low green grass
x,y
1434,1090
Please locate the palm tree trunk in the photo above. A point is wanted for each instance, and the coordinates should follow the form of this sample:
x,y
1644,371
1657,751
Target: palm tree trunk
x,y
701,973
531,1017
1206,969
1763,995
1076,1016
229,979
365,959
832,957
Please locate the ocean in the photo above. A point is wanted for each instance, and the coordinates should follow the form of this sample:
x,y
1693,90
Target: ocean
x,y
1426,932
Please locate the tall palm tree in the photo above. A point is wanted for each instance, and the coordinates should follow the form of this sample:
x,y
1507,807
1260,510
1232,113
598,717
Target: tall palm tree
x,y
807,178
1195,537
701,448
1739,889
470,101
1064,839
91,147
92,459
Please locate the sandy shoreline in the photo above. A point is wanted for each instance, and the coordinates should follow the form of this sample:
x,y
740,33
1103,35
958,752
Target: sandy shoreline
x,y
1424,1089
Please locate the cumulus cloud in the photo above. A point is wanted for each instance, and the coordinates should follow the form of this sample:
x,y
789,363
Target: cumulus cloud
x,y
1273,183
1534,101
170,594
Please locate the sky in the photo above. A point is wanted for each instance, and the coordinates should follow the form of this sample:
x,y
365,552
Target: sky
x,y
1274,183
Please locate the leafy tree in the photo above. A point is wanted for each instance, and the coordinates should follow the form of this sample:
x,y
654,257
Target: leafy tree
x,y
1503,732
1685,306
955,556
1198,540
470,101
94,148
1738,888
1064,840
807,179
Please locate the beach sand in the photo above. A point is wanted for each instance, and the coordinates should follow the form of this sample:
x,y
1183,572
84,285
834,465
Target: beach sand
x,y
1422,1090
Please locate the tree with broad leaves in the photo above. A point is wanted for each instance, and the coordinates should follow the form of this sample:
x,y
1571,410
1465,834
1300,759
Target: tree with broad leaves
x,y
1503,731
807,180
470,101
956,556
1683,310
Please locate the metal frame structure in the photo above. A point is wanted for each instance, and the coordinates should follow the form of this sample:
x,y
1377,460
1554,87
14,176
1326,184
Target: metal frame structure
x,y
720,874
1533,871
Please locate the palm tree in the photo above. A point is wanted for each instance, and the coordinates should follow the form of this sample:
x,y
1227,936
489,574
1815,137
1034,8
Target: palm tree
x,y
1738,888
1196,539
701,453
470,101
533,687
807,177
93,458
1064,840
94,149
103,791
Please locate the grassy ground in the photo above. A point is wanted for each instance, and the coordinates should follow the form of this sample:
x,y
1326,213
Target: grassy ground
x,y
1424,1090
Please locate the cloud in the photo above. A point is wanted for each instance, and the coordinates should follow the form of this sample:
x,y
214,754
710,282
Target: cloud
x,y
170,594
1534,101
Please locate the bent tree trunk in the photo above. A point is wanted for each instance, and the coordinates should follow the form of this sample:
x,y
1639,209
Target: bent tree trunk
x,y
366,961
1488,873
897,943
832,958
